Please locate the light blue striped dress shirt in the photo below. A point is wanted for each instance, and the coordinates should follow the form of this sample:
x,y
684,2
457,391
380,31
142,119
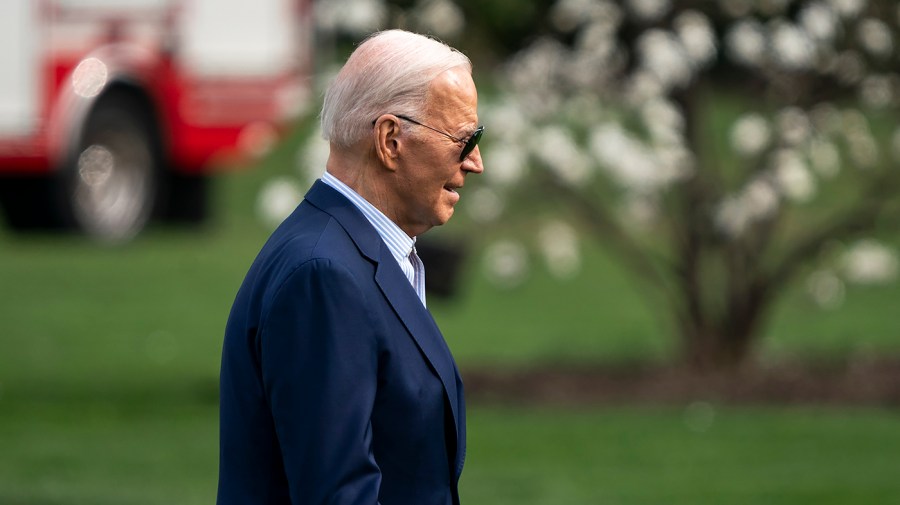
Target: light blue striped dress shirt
x,y
401,245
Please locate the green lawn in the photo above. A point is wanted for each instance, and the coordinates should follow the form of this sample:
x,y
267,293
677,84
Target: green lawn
x,y
659,456
161,449
109,357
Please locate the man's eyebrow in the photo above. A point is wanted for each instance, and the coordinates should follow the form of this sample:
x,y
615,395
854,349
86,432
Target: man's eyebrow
x,y
466,131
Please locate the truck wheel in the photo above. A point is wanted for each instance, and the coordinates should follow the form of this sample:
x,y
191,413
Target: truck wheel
x,y
110,182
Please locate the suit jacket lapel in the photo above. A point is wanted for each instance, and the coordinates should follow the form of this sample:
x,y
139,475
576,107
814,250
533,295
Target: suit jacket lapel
x,y
421,326
395,287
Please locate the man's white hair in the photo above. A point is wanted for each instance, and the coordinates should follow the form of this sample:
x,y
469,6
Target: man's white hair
x,y
389,73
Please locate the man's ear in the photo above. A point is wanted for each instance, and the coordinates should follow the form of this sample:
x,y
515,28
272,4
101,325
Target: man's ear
x,y
387,140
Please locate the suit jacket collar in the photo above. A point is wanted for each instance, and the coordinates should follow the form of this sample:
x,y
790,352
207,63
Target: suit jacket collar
x,y
396,289
330,201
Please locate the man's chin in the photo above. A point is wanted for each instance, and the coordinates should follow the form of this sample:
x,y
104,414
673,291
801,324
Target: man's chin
x,y
442,218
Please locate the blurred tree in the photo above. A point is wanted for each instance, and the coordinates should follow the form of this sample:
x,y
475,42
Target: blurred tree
x,y
489,31
717,147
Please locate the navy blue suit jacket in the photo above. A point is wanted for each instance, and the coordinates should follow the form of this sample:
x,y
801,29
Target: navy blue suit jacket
x,y
336,385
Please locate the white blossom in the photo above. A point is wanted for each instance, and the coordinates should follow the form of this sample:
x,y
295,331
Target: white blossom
x,y
746,42
277,200
484,205
869,262
792,176
439,17
697,37
506,263
591,67
876,91
761,198
824,157
876,37
355,17
598,35
792,48
663,55
663,120
826,118
731,217
750,134
567,15
863,149
826,289
757,201
533,72
849,67
793,125
848,8
819,21
597,57
507,118
642,86
311,158
559,245
583,109
673,162
535,66
854,122
638,210
505,162
633,164
649,10
606,17
556,148
627,160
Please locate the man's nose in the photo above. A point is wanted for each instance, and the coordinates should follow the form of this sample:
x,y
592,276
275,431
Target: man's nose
x,y
473,163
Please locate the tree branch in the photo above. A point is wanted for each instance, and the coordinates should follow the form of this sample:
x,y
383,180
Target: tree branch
x,y
848,224
611,234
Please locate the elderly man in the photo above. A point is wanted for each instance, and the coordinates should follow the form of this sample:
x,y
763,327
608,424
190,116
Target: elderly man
x,y
336,385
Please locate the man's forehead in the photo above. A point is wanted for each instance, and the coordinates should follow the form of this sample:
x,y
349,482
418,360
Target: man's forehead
x,y
453,92
454,80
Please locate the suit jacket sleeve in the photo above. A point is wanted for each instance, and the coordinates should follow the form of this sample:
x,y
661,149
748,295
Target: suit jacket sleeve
x,y
319,361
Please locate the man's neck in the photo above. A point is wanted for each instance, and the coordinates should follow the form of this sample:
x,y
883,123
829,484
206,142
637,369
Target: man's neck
x,y
358,173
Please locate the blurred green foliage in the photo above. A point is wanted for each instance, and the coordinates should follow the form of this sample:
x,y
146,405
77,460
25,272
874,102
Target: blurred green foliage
x,y
496,29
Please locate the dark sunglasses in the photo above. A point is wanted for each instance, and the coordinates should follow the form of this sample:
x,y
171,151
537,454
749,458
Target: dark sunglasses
x,y
470,143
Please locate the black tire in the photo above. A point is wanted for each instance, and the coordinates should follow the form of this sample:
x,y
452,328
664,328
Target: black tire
x,y
110,183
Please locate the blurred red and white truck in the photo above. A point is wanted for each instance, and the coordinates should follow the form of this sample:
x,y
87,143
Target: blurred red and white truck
x,y
113,111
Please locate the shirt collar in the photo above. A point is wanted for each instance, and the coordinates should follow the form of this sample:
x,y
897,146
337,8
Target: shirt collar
x,y
399,243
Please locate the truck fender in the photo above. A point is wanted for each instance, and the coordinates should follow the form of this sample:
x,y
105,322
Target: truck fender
x,y
98,71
